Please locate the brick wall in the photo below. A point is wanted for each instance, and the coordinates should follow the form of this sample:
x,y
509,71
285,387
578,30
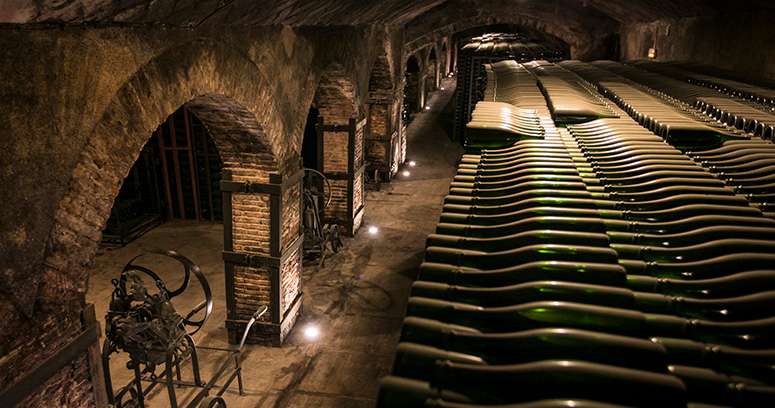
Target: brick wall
x,y
377,152
251,290
338,207
290,280
335,152
358,149
250,223
66,168
291,216
358,193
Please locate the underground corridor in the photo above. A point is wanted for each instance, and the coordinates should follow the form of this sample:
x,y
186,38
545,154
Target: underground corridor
x,y
393,203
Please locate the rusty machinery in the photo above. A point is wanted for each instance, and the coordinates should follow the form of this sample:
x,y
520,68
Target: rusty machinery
x,y
147,327
318,236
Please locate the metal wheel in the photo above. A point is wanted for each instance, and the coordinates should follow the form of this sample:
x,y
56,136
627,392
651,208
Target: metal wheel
x,y
212,402
312,182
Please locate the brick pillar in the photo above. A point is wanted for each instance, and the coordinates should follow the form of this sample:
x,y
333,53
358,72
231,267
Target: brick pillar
x,y
341,160
380,139
262,254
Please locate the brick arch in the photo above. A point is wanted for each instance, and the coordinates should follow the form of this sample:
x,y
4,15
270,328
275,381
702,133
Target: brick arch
x,y
198,77
581,42
200,74
335,95
342,138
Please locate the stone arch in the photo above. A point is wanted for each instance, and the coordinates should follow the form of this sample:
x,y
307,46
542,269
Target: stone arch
x,y
446,64
203,75
413,81
582,42
432,69
385,141
341,156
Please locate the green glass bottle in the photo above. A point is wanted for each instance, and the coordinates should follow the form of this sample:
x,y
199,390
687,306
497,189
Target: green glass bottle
x,y
693,253
735,284
583,272
523,255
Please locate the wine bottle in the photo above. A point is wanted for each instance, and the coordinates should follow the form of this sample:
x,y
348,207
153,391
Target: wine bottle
x,y
562,234
747,334
505,186
752,181
729,148
678,161
624,186
693,253
528,193
488,178
747,307
694,236
755,363
591,272
527,254
643,200
684,211
739,168
626,173
736,284
736,153
407,393
705,385
548,403
702,269
535,345
487,226
529,203
756,189
561,379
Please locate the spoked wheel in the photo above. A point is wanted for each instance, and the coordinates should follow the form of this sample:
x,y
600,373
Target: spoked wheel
x,y
317,184
213,402
189,268
333,236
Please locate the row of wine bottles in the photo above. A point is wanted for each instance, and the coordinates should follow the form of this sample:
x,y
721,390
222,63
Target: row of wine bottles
x,y
595,267
747,165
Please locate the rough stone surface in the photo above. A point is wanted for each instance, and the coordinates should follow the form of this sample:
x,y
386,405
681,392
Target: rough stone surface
x,y
720,41
84,101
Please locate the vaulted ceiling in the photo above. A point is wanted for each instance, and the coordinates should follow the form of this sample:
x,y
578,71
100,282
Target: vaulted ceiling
x,y
342,12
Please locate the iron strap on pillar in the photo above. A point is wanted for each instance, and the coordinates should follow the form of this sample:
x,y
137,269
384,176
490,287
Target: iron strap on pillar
x,y
356,165
273,261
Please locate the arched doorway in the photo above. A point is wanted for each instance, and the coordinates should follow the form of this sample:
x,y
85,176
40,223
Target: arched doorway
x,y
340,137
385,137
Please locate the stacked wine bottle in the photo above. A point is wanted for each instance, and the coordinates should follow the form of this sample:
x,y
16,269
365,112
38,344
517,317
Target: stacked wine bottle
x,y
745,162
591,265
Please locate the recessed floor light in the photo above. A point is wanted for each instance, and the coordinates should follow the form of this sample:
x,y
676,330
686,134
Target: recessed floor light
x,y
312,332
406,173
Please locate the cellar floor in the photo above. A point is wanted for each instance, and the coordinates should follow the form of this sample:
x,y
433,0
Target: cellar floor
x,y
356,301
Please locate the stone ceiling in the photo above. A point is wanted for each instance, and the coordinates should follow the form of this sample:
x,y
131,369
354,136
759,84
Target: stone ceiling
x,y
338,12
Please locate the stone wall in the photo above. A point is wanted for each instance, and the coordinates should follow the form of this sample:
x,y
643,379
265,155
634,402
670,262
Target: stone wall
x,y
80,104
736,41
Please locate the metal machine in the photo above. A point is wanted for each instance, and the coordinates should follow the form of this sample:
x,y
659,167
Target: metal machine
x,y
147,327
318,236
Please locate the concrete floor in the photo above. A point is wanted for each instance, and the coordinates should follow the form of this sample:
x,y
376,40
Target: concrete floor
x,y
357,301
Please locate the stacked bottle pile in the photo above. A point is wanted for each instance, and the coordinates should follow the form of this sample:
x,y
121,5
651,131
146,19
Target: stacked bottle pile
x,y
747,165
597,267
670,80
507,108
569,100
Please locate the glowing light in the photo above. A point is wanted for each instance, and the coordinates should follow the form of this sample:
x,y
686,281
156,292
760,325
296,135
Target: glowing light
x,y
652,53
427,108
312,332
406,174
442,88
412,163
373,230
